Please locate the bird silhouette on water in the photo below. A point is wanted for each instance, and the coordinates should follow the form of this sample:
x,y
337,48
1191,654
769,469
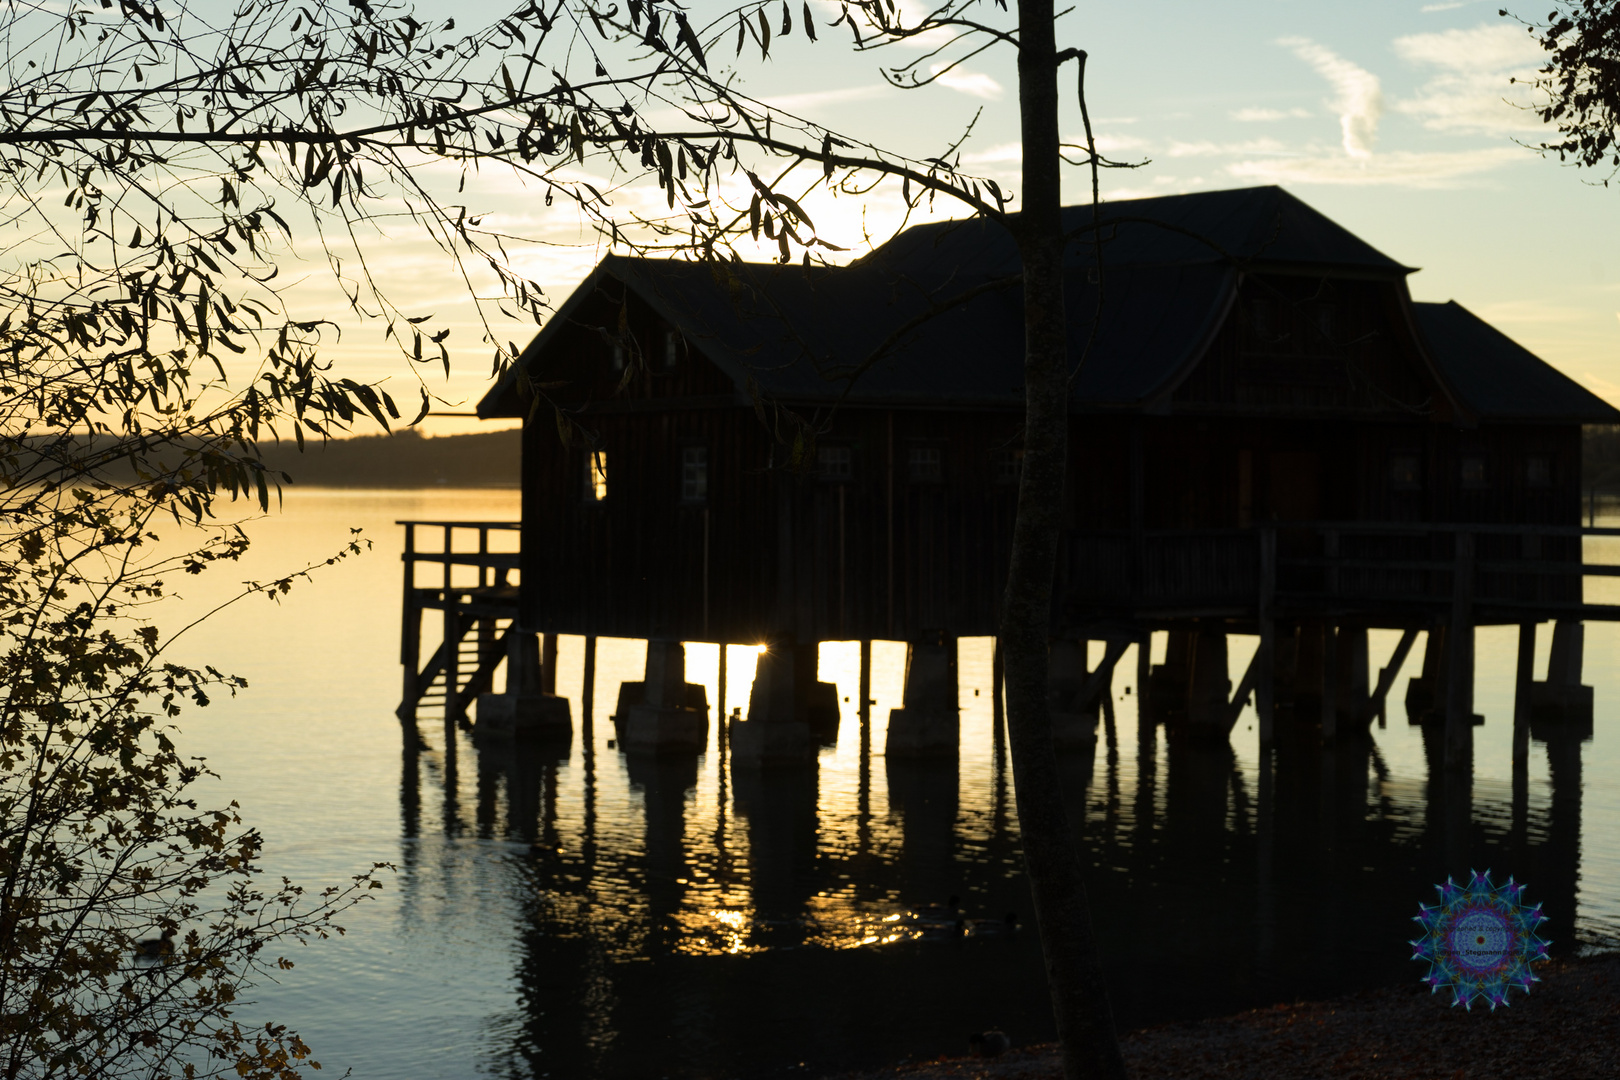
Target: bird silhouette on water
x,y
156,948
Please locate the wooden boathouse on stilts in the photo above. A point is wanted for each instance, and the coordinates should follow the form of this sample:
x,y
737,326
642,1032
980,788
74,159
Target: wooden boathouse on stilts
x,y
1268,437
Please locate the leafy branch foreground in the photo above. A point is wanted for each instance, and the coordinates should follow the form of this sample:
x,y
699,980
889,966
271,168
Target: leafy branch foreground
x,y
103,847
162,163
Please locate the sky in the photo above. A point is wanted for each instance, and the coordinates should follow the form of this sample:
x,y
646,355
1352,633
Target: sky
x,y
1396,118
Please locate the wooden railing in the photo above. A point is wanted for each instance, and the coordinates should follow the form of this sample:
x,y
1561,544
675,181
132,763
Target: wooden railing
x,y
493,567
472,645
1386,565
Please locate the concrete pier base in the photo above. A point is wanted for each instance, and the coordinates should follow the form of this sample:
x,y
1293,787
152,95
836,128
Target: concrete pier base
x,y
1561,698
663,713
928,723
787,709
527,710
523,716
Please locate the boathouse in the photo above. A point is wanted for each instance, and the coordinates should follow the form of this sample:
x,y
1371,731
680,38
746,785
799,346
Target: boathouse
x,y
1269,436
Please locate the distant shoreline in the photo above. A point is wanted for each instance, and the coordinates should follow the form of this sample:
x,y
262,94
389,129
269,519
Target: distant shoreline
x,y
403,460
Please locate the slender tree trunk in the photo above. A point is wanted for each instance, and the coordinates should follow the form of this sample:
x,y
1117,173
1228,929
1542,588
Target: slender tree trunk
x,y
1085,1021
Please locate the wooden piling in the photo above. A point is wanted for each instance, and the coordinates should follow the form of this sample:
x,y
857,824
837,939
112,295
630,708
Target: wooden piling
x,y
1330,682
1265,689
865,711
1460,656
548,664
587,705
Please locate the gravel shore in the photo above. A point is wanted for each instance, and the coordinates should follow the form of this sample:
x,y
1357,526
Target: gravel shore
x,y
1567,1028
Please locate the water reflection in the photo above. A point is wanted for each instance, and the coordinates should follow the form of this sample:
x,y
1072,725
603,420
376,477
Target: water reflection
x,y
682,917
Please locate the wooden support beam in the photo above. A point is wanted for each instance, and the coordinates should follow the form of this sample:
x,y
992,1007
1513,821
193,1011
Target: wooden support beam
x,y
1264,682
491,651
1330,681
1387,676
1460,658
587,694
997,661
416,684
1099,681
1144,676
548,664
1245,687
1525,676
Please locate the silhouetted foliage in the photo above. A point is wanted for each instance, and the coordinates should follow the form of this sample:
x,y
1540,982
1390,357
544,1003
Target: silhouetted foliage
x,y
1581,80
154,155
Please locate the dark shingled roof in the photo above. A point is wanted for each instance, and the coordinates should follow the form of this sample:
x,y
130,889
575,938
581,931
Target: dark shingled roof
x,y
1498,378
1170,281
1256,226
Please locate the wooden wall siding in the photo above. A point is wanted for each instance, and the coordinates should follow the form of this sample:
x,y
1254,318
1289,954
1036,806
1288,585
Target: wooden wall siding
x,y
1197,569
783,559
1507,496
799,555
1313,345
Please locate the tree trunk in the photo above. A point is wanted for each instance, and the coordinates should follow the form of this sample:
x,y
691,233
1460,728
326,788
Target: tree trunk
x,y
1085,1021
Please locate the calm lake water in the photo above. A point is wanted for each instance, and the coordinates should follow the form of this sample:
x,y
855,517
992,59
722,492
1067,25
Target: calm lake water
x,y
568,912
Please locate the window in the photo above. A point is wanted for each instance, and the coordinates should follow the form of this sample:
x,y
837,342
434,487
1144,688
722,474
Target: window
x,y
596,476
672,349
1405,472
1473,471
694,474
1538,471
834,463
923,465
620,354
1006,466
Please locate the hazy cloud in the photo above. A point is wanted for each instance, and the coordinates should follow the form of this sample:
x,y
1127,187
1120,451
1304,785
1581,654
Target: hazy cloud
x,y
1406,168
1210,149
816,99
1358,98
1472,91
960,79
1256,115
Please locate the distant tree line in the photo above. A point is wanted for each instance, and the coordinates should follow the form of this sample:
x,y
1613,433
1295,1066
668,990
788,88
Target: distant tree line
x,y
403,460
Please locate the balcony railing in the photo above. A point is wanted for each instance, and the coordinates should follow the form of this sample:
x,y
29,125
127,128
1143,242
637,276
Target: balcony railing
x,y
1335,566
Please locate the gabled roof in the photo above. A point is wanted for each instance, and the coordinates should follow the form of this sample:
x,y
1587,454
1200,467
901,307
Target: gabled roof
x,y
1500,379
934,316
1245,226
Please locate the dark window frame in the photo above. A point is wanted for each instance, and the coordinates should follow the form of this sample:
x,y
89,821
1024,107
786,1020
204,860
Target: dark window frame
x,y
684,479
824,451
925,464
1402,479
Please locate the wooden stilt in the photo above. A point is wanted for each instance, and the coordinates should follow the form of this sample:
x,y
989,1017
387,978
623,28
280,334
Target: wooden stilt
x,y
866,685
1144,677
1330,681
1352,690
587,705
548,664
1265,674
1388,674
1459,712
721,712
1522,688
